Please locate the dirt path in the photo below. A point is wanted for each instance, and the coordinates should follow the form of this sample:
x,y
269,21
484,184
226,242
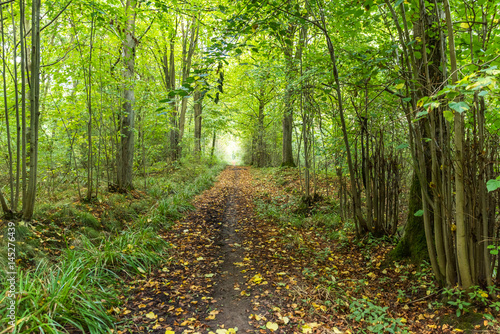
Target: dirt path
x,y
229,270
204,288
234,306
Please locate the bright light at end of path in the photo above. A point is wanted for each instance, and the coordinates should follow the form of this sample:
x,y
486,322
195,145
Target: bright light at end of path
x,y
232,152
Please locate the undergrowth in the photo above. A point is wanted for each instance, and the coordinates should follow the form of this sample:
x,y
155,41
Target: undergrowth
x,y
72,258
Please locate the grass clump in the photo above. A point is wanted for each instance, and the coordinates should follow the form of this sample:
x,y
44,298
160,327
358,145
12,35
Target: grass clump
x,y
176,197
55,297
77,291
129,252
88,220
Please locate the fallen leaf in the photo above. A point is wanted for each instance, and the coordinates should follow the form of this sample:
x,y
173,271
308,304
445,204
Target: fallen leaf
x,y
151,315
272,326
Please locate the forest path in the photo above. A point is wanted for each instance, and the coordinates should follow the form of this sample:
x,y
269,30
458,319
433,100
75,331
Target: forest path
x,y
210,284
229,272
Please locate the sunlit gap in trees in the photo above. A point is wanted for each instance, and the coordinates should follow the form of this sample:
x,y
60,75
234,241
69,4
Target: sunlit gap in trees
x,y
230,150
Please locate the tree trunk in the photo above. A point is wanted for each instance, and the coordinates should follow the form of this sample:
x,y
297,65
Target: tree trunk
x,y
198,109
464,265
7,125
126,144
287,154
413,244
29,207
187,56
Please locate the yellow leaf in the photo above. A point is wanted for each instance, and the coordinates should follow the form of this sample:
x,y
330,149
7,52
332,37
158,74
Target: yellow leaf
x,y
141,270
464,25
400,86
306,329
169,332
272,326
142,306
151,315
257,279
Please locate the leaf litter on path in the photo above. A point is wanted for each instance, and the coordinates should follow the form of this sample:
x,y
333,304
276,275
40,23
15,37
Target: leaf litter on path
x,y
232,273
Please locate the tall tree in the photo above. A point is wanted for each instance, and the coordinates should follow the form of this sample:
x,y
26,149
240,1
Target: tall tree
x,y
34,110
125,159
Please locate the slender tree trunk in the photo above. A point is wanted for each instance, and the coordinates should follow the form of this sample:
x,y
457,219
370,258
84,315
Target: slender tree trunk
x,y
464,265
18,124
7,125
287,154
89,122
213,144
34,110
24,173
361,226
126,144
198,108
187,56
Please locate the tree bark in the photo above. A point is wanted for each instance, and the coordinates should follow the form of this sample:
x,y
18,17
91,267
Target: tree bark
x,y
198,109
187,56
126,144
464,265
34,110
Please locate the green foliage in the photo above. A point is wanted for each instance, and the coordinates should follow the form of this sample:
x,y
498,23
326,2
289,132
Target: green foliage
x,y
88,220
376,318
130,252
175,198
462,301
493,184
58,295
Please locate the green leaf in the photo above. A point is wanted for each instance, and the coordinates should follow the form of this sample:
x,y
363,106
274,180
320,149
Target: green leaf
x,y
492,185
417,54
459,106
419,213
401,146
422,113
448,115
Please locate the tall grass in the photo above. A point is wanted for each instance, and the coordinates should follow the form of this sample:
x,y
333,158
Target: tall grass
x,y
75,291
53,297
78,290
177,201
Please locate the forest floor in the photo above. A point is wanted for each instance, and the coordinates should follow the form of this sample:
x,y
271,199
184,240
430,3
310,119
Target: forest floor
x,y
232,270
